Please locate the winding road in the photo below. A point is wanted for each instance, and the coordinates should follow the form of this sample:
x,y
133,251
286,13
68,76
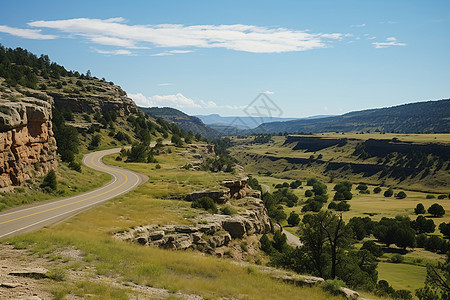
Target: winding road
x,y
32,217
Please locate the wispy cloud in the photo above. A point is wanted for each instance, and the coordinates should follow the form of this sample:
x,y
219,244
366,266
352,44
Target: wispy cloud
x,y
165,84
113,52
390,41
268,92
171,52
178,101
358,25
238,37
34,34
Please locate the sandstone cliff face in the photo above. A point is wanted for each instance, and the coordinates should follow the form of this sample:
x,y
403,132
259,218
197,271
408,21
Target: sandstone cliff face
x,y
27,145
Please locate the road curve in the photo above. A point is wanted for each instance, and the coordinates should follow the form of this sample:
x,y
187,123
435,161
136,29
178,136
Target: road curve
x,y
33,217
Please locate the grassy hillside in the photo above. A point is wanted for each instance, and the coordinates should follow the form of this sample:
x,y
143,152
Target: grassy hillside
x,y
421,117
417,162
184,121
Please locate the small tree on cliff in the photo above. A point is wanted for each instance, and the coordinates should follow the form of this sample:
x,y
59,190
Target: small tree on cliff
x,y
49,183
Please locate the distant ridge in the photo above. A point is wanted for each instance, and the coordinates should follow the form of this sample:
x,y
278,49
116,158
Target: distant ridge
x,y
420,117
244,122
184,121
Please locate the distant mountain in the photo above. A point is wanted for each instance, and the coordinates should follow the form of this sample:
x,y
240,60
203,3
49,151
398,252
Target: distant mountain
x,y
184,121
239,122
424,117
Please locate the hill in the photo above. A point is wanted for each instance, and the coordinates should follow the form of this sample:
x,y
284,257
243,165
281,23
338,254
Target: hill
x,y
420,117
184,121
241,122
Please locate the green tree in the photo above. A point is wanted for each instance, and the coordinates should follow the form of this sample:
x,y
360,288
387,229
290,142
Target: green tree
x,y
401,195
377,190
50,181
423,225
138,153
293,219
420,209
437,285
389,192
436,210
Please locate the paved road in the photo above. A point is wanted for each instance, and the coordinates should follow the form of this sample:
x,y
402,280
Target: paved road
x,y
33,217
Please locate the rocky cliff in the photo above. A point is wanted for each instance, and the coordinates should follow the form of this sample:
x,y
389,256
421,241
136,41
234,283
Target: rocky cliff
x,y
27,145
100,97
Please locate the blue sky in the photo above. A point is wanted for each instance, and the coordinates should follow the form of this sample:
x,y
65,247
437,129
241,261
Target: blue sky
x,y
309,57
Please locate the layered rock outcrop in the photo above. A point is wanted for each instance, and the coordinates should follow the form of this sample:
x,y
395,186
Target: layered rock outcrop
x,y
211,233
104,97
27,145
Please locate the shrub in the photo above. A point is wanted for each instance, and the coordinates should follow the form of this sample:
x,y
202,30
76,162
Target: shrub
x,y
75,166
332,205
362,187
420,209
401,195
333,286
442,196
396,258
295,184
293,219
205,203
312,205
343,206
311,181
158,166
436,210
389,192
308,193
377,190
228,210
49,182
95,142
430,197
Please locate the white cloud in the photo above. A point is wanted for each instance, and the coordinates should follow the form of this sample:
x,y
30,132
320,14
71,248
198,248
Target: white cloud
x,y
178,101
114,52
358,25
390,41
34,34
171,52
268,92
238,37
165,84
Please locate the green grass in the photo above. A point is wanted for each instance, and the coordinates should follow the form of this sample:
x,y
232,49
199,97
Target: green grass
x,y
178,271
402,276
70,183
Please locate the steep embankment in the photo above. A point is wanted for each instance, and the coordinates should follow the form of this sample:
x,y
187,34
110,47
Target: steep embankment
x,y
421,117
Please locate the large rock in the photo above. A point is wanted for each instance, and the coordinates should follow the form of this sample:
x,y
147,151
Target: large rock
x,y
235,226
27,145
219,240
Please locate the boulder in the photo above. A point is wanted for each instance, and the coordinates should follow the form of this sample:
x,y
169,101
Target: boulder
x,y
349,294
36,273
235,226
219,240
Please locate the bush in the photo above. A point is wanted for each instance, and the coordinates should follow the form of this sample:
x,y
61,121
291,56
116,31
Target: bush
x,y
396,258
293,219
332,205
228,210
377,190
436,210
295,184
362,187
389,192
442,196
312,205
49,183
311,181
420,209
308,193
343,206
75,166
333,286
205,203
430,197
401,195
158,166
95,142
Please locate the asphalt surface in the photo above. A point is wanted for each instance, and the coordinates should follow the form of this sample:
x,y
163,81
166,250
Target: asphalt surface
x,y
32,217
